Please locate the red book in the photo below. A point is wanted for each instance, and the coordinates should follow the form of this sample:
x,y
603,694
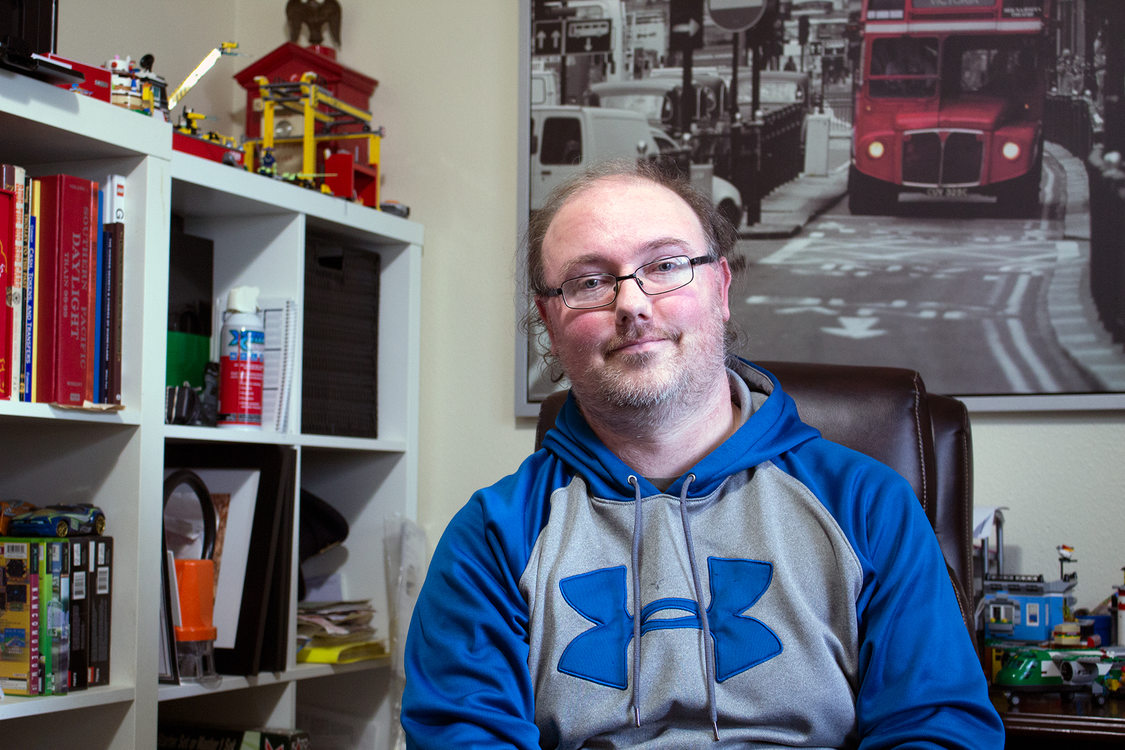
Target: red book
x,y
66,264
8,251
14,179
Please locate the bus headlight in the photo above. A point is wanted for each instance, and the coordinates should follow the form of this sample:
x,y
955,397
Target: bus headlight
x,y
1010,151
876,149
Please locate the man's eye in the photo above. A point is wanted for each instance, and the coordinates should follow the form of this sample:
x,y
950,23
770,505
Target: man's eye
x,y
589,283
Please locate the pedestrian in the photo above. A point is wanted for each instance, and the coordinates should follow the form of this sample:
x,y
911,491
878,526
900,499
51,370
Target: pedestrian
x,y
684,561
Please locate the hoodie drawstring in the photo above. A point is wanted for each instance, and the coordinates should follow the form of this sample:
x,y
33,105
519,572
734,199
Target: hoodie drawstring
x,y
708,645
636,600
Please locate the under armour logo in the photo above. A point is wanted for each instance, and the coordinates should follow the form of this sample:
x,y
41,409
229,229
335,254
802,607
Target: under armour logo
x,y
600,653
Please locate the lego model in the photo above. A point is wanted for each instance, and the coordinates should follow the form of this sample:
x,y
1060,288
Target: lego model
x,y
1064,671
1027,607
335,117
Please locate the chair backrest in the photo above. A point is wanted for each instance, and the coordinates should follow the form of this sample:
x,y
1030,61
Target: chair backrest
x,y
886,413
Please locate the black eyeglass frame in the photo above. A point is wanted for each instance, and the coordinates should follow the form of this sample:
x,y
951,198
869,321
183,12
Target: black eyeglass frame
x,y
699,260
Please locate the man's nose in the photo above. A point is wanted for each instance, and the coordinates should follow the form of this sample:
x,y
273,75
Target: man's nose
x,y
631,300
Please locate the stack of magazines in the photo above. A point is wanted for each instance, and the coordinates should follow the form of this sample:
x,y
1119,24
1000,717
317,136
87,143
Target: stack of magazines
x,y
337,632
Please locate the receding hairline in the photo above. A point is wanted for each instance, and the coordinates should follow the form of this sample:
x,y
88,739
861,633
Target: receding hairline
x,y
633,179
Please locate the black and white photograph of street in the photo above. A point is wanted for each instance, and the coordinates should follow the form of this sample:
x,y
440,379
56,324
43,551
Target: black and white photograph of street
x,y
949,201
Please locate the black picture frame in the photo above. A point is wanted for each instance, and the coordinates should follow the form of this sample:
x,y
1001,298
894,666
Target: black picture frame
x,y
1104,391
262,631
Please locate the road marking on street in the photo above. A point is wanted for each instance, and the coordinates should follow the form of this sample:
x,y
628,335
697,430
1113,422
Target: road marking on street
x,y
1007,366
856,328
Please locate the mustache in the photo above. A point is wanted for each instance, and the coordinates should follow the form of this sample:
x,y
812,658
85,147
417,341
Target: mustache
x,y
635,334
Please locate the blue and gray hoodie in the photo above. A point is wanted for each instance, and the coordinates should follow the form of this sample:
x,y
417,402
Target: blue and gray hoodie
x,y
786,591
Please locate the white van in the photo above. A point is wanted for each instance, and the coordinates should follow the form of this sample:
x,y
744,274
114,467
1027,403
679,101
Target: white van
x,y
567,139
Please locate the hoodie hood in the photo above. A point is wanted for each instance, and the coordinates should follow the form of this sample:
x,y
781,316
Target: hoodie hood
x,y
773,428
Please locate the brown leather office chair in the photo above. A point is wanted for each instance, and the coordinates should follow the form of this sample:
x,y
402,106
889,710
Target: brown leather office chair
x,y
886,413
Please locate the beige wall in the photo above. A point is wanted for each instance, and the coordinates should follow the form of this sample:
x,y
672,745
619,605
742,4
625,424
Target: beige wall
x,y
447,96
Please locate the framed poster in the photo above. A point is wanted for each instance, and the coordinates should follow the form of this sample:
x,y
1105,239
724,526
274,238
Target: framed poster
x,y
972,259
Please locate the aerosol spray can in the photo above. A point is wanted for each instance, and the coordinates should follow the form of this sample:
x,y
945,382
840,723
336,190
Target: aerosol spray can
x,y
241,361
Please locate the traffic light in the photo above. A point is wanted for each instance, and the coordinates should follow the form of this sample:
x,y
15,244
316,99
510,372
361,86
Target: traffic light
x,y
803,30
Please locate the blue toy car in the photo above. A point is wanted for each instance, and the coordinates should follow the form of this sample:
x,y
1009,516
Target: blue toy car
x,y
59,520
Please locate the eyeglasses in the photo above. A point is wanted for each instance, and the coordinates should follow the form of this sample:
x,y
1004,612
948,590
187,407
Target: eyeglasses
x,y
600,289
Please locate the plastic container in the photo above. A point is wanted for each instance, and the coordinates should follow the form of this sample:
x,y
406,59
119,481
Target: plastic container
x,y
241,361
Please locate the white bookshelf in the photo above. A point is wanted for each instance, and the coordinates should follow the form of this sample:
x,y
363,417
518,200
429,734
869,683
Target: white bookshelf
x,y
259,229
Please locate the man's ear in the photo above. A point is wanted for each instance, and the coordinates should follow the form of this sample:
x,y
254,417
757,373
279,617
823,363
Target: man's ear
x,y
724,286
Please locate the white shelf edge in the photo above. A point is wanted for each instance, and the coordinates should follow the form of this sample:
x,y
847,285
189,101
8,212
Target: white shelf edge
x,y
333,442
126,416
15,706
300,672
218,435
275,196
384,445
83,117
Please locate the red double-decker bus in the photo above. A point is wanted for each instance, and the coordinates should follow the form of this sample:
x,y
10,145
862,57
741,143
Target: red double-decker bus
x,y
949,101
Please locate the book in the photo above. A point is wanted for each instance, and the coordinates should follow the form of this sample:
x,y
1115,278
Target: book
x,y
112,275
52,556
114,206
15,179
97,299
7,268
101,611
54,609
171,736
30,285
81,573
67,247
19,617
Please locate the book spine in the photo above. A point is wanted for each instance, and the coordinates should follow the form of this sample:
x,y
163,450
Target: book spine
x,y
86,297
19,619
31,366
16,179
100,611
66,259
97,291
35,675
113,274
27,288
57,615
81,575
7,268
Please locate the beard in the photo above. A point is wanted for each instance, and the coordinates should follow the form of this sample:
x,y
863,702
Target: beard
x,y
640,382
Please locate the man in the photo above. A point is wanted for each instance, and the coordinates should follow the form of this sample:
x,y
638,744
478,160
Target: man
x,y
684,562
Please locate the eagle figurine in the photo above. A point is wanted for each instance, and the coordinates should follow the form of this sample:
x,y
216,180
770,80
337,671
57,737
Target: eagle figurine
x,y
313,15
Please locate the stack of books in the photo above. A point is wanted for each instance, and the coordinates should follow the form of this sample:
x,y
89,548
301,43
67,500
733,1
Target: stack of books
x,y
54,613
337,632
61,244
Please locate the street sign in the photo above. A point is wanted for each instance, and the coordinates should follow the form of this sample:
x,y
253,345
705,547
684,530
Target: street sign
x,y
686,22
547,37
588,36
736,15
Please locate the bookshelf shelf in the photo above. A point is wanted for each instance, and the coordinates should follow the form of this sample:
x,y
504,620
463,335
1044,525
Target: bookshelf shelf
x,y
259,229
16,707
300,672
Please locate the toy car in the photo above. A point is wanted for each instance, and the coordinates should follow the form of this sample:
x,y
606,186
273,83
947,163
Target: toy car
x,y
59,520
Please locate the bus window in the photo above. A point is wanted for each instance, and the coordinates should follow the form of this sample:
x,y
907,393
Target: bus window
x,y
903,67
996,66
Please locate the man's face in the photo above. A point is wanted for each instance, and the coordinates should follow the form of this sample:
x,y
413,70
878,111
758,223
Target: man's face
x,y
640,350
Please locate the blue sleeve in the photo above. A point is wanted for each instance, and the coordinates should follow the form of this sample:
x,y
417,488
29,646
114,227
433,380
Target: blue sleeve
x,y
920,681
467,678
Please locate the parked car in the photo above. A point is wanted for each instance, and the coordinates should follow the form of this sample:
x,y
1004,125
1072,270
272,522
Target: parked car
x,y
59,520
